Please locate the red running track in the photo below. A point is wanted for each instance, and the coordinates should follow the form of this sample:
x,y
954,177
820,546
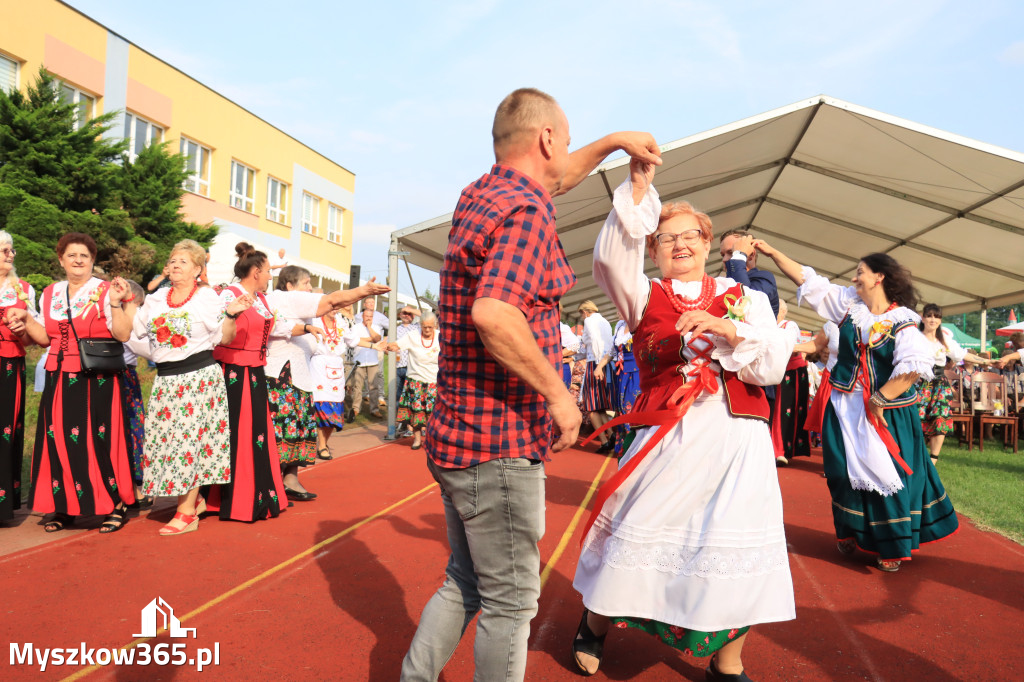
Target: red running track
x,y
333,589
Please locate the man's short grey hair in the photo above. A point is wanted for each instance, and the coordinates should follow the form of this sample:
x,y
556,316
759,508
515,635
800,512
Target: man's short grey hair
x,y
522,112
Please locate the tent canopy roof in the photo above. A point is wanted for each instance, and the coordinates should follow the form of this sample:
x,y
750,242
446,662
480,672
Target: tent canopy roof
x,y
826,182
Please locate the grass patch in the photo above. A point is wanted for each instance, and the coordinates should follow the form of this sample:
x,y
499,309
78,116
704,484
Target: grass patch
x,y
986,486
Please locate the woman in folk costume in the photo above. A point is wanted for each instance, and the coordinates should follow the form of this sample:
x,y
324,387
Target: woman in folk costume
x,y
625,377
789,436
686,541
416,403
825,340
936,393
327,366
290,383
133,405
256,490
80,463
188,432
887,498
15,294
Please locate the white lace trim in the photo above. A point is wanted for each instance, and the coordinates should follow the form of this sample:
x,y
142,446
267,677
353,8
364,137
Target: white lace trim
x,y
700,561
885,490
863,318
922,368
749,350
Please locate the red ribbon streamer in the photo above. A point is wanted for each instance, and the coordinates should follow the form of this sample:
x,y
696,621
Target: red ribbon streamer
x,y
704,379
883,432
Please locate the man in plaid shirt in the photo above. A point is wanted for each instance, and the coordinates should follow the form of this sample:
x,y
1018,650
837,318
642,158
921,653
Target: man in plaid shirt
x,y
498,387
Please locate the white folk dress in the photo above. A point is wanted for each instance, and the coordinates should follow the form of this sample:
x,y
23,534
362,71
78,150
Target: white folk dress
x,y
694,537
188,436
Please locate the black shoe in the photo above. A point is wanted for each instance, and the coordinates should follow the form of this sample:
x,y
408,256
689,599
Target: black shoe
x,y
586,642
713,674
299,497
608,446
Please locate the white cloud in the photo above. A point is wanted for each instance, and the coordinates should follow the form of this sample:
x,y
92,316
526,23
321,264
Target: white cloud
x,y
1014,54
367,234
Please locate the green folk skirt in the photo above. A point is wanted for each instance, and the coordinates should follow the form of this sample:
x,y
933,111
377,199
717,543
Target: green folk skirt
x,y
891,526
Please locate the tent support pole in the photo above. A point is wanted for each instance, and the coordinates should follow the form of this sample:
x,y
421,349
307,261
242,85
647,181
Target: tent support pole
x,y
408,271
393,254
984,326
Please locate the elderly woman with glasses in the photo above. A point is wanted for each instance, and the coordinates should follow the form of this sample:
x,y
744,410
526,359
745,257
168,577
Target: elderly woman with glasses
x,y
15,294
933,407
686,540
80,463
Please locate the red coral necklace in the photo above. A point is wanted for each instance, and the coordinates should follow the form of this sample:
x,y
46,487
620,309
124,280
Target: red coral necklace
x,y
170,304
682,304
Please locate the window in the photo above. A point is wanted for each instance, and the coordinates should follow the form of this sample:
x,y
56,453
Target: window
x,y
85,103
140,133
8,74
243,186
197,163
277,201
310,214
334,217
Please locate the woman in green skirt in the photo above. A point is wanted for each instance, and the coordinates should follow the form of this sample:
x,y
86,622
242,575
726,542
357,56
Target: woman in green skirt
x,y
887,498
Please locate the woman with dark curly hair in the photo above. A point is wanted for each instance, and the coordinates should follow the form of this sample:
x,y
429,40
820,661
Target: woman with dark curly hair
x,y
887,498
936,393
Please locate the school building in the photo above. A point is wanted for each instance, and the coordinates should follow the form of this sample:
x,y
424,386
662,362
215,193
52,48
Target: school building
x,y
256,182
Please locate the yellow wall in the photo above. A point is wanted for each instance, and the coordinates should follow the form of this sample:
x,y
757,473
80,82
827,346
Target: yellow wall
x,y
195,111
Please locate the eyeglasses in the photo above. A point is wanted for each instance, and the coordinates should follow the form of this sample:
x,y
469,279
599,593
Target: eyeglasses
x,y
8,252
689,238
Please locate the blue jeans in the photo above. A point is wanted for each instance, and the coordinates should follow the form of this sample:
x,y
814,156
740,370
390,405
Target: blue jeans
x,y
400,374
495,517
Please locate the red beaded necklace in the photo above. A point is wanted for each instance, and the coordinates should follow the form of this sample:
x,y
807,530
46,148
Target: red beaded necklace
x,y
427,345
682,304
170,304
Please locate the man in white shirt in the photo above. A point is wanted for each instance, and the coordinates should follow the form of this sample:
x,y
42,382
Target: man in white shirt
x,y
367,366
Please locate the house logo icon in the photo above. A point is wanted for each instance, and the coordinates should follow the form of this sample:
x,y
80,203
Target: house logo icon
x,y
150,615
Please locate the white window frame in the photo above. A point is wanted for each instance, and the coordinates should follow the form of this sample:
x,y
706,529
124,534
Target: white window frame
x,y
17,71
245,201
132,127
277,201
310,214
195,181
76,97
335,221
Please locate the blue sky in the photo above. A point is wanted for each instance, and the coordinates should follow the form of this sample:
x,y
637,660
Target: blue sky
x,y
403,94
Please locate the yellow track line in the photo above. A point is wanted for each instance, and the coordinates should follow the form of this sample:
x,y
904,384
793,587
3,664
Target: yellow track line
x,y
262,576
567,535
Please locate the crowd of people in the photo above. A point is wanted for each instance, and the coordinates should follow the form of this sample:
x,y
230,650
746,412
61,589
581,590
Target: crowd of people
x,y
702,389
249,385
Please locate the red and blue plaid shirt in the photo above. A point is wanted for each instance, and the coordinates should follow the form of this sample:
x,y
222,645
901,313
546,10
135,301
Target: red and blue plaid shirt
x,y
502,245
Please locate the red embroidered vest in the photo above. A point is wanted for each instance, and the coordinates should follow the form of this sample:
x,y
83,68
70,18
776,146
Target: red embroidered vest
x,y
249,347
10,344
90,324
658,348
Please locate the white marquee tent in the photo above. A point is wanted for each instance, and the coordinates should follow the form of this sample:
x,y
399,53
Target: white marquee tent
x,y
827,182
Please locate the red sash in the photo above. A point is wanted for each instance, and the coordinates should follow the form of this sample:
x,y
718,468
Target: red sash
x,y
883,432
